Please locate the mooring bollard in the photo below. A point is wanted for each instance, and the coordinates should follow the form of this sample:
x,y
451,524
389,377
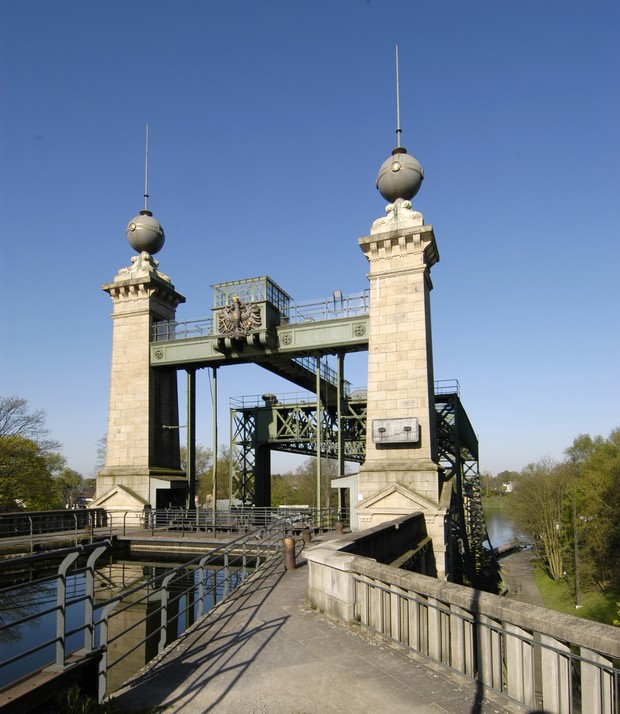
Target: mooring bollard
x,y
339,528
289,553
306,536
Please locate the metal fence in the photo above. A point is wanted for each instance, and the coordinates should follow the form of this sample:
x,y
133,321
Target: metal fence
x,y
181,595
235,519
32,531
35,527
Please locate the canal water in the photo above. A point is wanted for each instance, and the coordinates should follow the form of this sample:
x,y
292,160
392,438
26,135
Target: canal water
x,y
134,622
141,616
501,526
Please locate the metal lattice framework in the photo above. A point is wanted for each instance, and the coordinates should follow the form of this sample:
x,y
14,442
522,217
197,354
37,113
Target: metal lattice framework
x,y
293,428
295,341
472,554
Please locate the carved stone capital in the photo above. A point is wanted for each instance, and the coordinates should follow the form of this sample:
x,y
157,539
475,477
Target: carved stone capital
x,y
399,215
141,265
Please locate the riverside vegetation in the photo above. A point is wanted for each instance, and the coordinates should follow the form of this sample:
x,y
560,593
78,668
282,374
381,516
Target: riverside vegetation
x,y
570,511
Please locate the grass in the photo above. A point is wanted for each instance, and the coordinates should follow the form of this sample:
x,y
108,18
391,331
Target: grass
x,y
499,502
75,702
558,595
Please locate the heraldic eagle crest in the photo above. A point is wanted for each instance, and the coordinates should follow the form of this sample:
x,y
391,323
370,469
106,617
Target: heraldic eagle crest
x,y
238,319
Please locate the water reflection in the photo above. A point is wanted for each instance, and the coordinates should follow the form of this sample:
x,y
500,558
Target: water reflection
x,y
134,634
501,526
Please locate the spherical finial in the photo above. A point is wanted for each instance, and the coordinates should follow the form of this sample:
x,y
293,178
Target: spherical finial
x,y
145,233
400,176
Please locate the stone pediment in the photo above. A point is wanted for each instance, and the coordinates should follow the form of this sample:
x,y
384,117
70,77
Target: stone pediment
x,y
119,498
396,499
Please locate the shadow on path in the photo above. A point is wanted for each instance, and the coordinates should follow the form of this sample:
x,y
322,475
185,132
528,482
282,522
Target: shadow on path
x,y
215,653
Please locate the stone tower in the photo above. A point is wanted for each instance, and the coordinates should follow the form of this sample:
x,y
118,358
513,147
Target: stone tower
x,y
401,474
142,466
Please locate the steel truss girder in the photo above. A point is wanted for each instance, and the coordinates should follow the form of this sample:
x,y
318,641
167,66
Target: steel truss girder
x,y
294,430
457,444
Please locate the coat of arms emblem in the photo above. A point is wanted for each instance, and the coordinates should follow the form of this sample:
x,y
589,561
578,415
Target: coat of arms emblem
x,y
239,319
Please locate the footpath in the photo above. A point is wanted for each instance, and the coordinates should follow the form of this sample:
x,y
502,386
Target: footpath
x,y
518,573
265,651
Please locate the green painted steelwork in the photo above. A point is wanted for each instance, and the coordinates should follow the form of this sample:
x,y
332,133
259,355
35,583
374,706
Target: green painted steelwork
x,y
292,426
472,556
254,321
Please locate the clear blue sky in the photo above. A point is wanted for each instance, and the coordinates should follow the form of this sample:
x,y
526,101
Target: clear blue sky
x,y
268,122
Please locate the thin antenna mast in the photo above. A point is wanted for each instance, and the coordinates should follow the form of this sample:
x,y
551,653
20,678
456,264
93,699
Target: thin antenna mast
x,y
398,129
146,172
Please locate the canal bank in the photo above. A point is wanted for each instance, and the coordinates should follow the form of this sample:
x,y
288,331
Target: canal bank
x,y
518,568
518,573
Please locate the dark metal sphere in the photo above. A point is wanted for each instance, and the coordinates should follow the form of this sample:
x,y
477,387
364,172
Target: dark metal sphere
x,y
400,176
145,233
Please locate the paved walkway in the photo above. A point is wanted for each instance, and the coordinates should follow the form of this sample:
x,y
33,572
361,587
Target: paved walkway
x,y
267,652
517,570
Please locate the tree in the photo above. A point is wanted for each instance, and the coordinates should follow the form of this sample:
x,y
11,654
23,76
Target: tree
x,y
16,419
496,485
102,445
224,464
596,486
307,475
541,495
28,458
26,480
68,485
203,466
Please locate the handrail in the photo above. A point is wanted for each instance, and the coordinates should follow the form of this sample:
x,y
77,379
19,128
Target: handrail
x,y
234,554
33,526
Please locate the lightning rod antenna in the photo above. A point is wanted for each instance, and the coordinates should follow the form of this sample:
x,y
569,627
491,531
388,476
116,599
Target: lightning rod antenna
x,y
398,129
146,172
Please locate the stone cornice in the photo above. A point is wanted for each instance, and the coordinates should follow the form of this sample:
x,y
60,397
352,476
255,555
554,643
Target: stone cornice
x,y
398,245
143,287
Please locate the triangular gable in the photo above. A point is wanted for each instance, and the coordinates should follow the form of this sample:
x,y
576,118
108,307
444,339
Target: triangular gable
x,y
119,497
396,498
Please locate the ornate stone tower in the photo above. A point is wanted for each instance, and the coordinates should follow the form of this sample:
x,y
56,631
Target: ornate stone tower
x,y
401,474
142,464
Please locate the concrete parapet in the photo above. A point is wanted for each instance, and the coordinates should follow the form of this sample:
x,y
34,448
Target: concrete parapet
x,y
481,636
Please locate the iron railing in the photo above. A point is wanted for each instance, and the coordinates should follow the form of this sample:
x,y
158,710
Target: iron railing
x,y
194,586
87,526
36,527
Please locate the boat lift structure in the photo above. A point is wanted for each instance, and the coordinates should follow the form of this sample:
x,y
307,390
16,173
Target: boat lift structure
x,y
255,321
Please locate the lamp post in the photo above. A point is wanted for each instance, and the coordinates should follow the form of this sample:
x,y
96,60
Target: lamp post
x,y
577,603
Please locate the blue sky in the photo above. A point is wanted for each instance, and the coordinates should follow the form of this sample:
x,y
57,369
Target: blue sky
x,y
268,122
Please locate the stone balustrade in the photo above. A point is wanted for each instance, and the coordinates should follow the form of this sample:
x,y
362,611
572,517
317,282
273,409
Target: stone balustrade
x,y
536,658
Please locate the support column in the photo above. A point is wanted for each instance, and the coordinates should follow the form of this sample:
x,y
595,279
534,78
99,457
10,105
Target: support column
x,y
401,474
215,447
190,466
142,458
